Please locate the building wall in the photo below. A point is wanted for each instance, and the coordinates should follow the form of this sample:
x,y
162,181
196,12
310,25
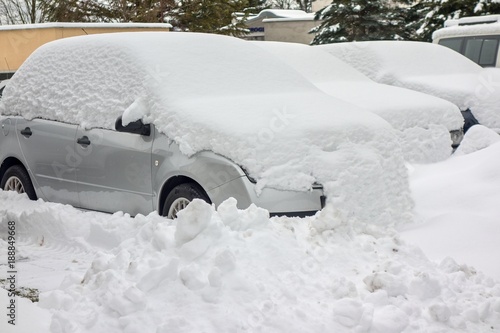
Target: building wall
x,y
17,44
289,31
319,4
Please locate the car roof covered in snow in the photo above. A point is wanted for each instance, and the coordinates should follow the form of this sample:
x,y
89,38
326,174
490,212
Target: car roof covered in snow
x,y
402,108
429,68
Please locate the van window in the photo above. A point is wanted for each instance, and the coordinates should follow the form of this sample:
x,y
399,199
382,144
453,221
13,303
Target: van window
x,y
488,52
453,43
473,49
481,50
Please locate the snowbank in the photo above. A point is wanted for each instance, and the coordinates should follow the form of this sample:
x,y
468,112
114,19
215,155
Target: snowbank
x,y
201,91
229,270
460,196
428,68
422,122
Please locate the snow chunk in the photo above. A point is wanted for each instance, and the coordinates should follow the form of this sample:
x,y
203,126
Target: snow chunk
x,y
476,138
188,228
138,110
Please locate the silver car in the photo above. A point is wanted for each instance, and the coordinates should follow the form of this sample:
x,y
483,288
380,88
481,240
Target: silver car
x,y
133,168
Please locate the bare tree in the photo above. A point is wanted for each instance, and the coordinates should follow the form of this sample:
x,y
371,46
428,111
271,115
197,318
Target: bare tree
x,y
21,11
304,5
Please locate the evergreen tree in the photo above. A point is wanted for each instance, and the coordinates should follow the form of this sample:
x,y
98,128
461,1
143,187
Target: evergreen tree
x,y
359,20
425,17
210,16
152,11
256,6
75,11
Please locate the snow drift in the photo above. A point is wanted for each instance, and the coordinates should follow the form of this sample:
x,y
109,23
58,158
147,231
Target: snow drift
x,y
230,270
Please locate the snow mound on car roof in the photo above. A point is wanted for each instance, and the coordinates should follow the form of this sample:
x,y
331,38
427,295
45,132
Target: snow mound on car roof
x,y
218,93
422,121
428,68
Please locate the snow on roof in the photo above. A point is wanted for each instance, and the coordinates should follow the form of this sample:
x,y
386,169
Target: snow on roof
x,y
83,25
404,109
290,19
218,93
472,20
467,30
280,13
428,68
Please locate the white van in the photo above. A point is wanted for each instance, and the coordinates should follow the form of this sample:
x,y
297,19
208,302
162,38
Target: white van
x,y
477,38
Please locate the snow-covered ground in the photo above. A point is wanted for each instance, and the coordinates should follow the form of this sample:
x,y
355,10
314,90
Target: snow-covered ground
x,y
227,270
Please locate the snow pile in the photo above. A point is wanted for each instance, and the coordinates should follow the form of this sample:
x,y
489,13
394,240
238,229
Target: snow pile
x,y
457,205
423,122
476,138
428,68
236,270
200,91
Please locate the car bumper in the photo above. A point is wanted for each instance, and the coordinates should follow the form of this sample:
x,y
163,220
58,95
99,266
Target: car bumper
x,y
277,202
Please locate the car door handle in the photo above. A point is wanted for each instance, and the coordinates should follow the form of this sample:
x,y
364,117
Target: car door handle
x,y
84,141
26,132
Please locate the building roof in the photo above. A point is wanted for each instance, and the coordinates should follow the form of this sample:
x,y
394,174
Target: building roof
x,y
83,25
280,14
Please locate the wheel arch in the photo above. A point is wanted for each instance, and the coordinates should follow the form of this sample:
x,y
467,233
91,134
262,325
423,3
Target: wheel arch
x,y
169,186
8,162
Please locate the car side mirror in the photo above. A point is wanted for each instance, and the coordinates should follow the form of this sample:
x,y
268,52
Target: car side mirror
x,y
136,127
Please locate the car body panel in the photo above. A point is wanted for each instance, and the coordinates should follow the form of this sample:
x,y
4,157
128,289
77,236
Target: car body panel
x,y
114,171
49,154
129,172
275,201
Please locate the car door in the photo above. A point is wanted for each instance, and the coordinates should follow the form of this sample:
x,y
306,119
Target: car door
x,y
115,173
48,149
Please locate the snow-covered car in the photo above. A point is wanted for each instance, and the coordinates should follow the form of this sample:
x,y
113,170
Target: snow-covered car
x,y
432,69
138,122
424,123
2,86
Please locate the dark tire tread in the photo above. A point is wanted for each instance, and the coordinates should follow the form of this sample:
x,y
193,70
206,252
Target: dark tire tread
x,y
21,173
190,191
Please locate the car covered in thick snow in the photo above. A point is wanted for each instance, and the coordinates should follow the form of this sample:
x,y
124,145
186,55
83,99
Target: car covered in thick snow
x,y
138,122
2,86
432,69
428,127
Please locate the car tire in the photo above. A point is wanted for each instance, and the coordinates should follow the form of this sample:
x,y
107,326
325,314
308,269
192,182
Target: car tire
x,y
180,197
16,178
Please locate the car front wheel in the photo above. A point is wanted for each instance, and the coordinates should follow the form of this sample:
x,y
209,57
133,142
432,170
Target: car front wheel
x,y
180,197
17,179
